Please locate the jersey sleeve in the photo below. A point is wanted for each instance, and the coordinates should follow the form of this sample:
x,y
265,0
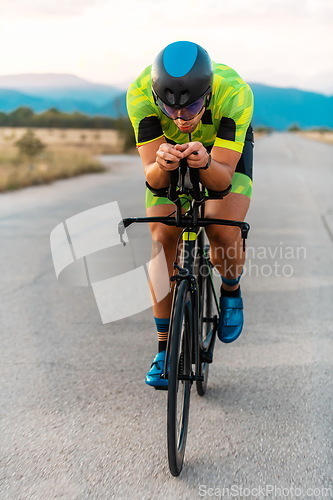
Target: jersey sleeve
x,y
143,116
236,119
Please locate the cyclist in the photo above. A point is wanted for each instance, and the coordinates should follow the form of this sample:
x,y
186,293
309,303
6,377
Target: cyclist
x,y
186,106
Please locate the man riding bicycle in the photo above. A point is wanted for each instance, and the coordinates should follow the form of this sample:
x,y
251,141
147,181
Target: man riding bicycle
x,y
186,106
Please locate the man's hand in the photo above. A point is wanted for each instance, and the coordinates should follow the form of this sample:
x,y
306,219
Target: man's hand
x,y
168,156
195,153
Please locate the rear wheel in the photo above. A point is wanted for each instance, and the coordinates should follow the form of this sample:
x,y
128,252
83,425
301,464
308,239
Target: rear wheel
x,y
179,385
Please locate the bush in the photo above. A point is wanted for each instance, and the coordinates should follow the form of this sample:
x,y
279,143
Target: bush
x,y
26,117
127,134
29,145
321,130
294,128
262,129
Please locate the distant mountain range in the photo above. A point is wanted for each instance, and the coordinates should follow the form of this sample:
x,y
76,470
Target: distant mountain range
x,y
274,107
281,107
65,92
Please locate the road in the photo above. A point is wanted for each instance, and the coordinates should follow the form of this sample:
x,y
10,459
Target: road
x,y
77,420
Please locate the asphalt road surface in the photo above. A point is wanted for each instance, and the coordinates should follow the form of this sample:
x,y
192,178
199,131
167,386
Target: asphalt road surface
x,y
77,420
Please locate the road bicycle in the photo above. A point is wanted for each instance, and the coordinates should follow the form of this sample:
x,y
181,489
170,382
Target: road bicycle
x,y
195,305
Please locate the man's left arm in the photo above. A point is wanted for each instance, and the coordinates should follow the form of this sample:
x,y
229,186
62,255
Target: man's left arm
x,y
229,142
221,164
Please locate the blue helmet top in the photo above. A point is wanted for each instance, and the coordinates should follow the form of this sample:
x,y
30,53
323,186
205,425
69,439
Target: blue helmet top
x,y
181,73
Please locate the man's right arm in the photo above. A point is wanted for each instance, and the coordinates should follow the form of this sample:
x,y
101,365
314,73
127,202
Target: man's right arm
x,y
154,156
151,143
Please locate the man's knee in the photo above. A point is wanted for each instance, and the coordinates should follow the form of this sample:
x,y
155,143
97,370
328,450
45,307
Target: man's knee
x,y
224,243
223,236
165,236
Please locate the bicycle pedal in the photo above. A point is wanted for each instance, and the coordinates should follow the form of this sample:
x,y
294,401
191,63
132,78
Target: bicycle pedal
x,y
161,388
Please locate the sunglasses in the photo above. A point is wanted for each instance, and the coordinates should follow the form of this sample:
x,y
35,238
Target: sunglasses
x,y
186,114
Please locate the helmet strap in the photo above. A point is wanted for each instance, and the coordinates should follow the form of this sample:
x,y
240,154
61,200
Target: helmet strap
x,y
208,98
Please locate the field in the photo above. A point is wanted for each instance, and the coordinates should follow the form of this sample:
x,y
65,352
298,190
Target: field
x,y
67,152
93,141
318,136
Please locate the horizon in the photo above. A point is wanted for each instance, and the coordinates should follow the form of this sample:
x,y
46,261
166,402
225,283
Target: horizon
x,y
125,86
278,44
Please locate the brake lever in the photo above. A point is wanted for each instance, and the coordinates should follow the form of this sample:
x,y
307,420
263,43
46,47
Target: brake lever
x,y
121,232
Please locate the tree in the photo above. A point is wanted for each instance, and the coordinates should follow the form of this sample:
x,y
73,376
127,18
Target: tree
x,y
29,146
3,119
21,116
123,125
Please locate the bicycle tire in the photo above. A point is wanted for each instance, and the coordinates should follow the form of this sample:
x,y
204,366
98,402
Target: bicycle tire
x,y
180,364
210,312
206,298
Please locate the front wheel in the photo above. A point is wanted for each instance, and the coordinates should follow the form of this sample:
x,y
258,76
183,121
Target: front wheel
x,y
180,371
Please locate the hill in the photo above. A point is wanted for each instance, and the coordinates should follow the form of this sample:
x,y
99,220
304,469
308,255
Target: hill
x,y
59,87
281,107
274,107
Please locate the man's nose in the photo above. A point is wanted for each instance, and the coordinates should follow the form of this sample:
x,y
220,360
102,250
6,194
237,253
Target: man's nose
x,y
179,117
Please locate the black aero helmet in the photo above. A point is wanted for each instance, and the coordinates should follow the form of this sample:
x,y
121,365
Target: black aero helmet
x,y
181,73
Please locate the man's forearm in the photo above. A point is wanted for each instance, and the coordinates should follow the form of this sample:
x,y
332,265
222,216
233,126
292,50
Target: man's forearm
x,y
217,176
156,177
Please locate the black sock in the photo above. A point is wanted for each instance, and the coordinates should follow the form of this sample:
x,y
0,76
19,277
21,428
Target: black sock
x,y
230,293
162,326
162,345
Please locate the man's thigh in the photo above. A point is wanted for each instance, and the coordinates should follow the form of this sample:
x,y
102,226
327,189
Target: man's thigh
x,y
234,207
158,228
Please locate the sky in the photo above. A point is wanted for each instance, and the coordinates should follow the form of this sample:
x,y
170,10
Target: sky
x,y
284,43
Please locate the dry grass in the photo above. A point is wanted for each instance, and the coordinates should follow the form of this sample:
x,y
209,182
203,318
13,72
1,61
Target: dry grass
x,y
318,136
68,152
54,163
88,140
259,134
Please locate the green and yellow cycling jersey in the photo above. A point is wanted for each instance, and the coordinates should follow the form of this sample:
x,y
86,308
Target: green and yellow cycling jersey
x,y
224,123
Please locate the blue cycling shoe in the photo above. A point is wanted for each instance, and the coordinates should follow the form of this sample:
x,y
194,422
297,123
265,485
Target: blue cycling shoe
x,y
231,318
153,377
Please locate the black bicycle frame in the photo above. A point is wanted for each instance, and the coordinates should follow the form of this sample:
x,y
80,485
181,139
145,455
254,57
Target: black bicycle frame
x,y
187,272
192,223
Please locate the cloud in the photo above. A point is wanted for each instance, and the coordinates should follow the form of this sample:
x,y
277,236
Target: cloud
x,y
282,42
243,8
45,8
180,12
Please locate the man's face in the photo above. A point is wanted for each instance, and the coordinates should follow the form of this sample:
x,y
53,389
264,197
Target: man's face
x,y
187,127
